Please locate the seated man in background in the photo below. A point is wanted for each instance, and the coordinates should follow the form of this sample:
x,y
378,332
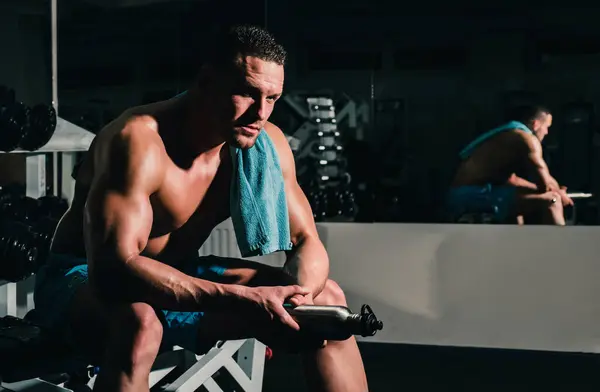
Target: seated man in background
x,y
504,169
124,277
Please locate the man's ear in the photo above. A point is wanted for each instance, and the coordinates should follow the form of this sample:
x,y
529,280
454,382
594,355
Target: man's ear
x,y
535,124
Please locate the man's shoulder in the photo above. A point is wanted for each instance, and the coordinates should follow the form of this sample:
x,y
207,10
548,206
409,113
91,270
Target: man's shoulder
x,y
130,131
276,134
519,137
132,141
286,158
527,139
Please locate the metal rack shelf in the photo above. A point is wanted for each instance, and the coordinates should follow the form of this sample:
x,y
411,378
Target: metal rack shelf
x,y
68,139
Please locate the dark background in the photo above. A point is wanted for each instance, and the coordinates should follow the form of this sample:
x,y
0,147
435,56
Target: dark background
x,y
451,68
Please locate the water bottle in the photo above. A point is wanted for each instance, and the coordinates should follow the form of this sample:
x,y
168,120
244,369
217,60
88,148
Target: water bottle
x,y
335,322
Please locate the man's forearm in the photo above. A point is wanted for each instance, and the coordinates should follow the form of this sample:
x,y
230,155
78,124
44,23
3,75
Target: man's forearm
x,y
142,279
308,265
522,183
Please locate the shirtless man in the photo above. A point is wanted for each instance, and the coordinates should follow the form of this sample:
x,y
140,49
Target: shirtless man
x,y
153,186
505,168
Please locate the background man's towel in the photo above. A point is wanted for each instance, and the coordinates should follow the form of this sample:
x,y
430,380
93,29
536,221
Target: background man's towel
x,y
467,151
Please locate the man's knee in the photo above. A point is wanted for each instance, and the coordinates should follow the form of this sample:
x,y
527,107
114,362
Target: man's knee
x,y
332,294
554,201
138,325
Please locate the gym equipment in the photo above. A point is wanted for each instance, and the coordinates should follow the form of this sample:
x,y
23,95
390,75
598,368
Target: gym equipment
x,y
24,248
19,208
335,322
40,128
322,163
27,226
13,123
24,127
52,207
18,253
331,203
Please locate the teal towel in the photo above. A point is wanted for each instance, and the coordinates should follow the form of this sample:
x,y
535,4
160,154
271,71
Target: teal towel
x,y
467,151
257,199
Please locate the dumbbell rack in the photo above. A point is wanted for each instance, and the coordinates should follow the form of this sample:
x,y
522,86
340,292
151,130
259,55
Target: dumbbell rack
x,y
68,139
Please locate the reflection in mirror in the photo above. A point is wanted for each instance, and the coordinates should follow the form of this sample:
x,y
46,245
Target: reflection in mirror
x,y
430,85
407,99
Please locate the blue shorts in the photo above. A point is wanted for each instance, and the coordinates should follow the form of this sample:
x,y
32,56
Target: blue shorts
x,y
496,200
58,280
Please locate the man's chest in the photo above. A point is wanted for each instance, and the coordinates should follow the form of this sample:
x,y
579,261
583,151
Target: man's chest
x,y
184,204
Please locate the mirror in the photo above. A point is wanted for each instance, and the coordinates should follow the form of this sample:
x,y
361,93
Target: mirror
x,y
408,88
422,86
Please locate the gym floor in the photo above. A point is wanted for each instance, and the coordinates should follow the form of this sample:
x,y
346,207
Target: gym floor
x,y
422,368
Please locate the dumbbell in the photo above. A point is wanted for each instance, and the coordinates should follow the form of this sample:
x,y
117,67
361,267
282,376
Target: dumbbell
x,y
24,127
40,128
13,125
19,208
24,248
18,253
43,232
52,207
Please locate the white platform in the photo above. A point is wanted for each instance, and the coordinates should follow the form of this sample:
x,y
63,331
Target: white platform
x,y
473,285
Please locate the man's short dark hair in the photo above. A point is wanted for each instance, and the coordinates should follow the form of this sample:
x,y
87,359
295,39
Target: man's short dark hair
x,y
526,113
245,40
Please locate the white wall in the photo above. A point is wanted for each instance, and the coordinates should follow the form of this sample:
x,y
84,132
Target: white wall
x,y
473,285
465,285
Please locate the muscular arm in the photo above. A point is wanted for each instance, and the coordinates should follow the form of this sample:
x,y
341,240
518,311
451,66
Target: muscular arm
x,y
118,221
536,165
520,182
307,262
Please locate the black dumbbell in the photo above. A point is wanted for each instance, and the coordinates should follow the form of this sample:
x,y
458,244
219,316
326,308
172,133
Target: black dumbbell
x,y
13,125
43,232
18,254
22,209
52,206
40,128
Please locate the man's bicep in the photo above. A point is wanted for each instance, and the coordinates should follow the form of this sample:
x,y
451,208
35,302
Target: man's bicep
x,y
118,210
302,222
117,224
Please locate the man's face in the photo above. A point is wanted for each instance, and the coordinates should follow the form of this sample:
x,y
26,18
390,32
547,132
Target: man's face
x,y
541,125
245,97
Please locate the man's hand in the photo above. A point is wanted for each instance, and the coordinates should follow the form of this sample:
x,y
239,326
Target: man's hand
x,y
566,200
269,301
307,340
302,299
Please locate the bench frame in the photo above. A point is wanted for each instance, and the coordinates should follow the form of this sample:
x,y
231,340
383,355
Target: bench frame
x,y
195,370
